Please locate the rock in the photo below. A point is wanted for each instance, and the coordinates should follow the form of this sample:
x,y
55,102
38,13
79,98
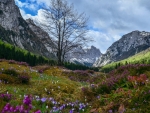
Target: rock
x,y
25,35
84,56
129,45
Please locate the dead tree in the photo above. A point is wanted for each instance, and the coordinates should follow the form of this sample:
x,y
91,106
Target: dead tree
x,y
66,27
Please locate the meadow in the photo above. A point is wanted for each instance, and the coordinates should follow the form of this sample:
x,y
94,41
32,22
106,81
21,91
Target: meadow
x,y
54,89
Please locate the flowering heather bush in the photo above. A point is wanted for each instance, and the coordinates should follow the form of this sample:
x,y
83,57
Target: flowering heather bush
x,y
81,72
122,77
15,62
6,97
12,62
24,78
78,75
140,100
134,69
23,63
112,82
138,80
41,69
90,71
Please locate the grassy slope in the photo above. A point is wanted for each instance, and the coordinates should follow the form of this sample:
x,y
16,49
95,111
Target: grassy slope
x,y
48,84
18,49
98,96
140,58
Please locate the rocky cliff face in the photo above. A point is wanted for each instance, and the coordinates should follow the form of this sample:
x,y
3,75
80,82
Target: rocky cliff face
x,y
127,46
41,34
84,56
19,32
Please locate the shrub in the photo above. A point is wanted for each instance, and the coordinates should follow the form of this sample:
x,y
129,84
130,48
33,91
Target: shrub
x,y
138,80
77,75
16,62
12,62
24,78
90,71
81,72
6,97
88,93
7,79
11,72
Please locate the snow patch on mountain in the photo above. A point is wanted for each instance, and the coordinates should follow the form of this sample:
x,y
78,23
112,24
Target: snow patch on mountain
x,y
84,56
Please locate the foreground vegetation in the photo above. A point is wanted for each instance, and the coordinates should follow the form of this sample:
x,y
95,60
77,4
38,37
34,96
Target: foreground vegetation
x,y
140,58
44,88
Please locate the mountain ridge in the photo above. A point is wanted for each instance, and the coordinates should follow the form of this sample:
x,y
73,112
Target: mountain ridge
x,y
84,56
129,45
21,34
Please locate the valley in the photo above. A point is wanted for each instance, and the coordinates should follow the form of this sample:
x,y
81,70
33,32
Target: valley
x,y
50,64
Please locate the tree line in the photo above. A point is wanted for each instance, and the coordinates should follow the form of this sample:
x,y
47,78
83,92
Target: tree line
x,y
9,52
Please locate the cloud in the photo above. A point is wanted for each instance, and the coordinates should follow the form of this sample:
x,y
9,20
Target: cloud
x,y
112,18
101,40
25,16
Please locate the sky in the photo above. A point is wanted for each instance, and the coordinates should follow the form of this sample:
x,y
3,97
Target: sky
x,y
108,20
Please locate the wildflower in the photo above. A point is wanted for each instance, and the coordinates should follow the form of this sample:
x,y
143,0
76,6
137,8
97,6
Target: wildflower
x,y
27,100
110,111
71,111
43,99
46,89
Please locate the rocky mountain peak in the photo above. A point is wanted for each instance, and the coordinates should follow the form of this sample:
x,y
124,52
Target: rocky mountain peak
x,y
19,32
10,14
127,46
84,56
7,1
30,21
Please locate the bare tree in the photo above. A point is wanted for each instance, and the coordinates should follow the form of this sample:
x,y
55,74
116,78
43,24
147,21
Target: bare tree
x,y
66,27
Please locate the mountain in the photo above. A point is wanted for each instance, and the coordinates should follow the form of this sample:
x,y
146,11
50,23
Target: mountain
x,y
84,56
139,58
41,34
24,34
129,45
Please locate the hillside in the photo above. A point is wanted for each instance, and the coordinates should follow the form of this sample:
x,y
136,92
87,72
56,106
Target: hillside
x,y
43,89
127,46
10,52
140,58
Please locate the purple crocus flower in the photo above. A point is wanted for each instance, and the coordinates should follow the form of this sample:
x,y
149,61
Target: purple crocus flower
x,y
43,99
110,111
37,111
71,111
